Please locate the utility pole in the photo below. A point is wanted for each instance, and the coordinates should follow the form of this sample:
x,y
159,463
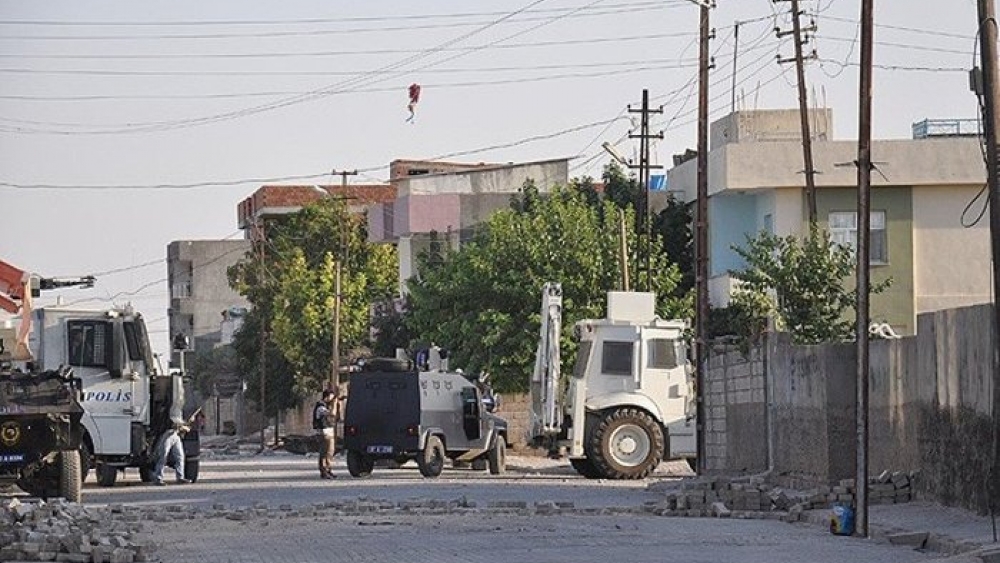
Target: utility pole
x,y
343,175
645,223
991,89
864,282
701,238
259,229
335,344
800,71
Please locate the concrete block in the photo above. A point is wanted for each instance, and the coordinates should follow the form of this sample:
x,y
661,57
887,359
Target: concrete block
x,y
719,510
916,540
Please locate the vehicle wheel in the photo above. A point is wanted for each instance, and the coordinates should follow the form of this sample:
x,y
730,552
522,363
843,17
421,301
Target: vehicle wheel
x,y
86,460
585,467
626,444
498,456
106,475
69,475
479,464
359,464
191,467
431,460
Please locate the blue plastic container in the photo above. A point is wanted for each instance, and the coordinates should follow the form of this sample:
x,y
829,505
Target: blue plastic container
x,y
842,520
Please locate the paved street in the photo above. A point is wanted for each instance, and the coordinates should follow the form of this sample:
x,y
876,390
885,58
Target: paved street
x,y
285,529
293,480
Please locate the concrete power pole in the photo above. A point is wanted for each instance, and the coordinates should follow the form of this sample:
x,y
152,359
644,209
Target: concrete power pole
x,y
335,344
701,237
259,228
991,118
645,223
799,61
864,163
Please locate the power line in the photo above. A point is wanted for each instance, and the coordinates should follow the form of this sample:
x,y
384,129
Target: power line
x,y
341,86
213,73
338,19
303,33
207,184
146,56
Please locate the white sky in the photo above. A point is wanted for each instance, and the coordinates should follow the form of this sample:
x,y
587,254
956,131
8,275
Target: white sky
x,y
83,104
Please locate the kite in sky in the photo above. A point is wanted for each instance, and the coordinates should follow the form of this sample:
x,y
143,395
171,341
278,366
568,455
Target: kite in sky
x,y
414,98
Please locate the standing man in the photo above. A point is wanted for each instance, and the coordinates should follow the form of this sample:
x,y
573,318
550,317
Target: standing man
x,y
324,422
170,451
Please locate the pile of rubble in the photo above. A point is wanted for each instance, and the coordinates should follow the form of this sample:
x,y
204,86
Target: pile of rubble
x,y
754,498
62,531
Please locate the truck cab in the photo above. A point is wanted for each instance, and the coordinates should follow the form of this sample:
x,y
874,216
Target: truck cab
x,y
628,403
127,402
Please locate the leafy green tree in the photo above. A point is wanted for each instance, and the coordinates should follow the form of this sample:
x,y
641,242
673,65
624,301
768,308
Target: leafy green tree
x,y
803,283
674,227
295,290
483,301
212,366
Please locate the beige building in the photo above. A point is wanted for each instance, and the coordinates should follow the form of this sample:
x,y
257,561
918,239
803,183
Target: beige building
x,y
923,203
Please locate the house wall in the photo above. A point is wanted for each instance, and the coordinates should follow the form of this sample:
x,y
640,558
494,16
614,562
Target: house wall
x,y
895,305
951,260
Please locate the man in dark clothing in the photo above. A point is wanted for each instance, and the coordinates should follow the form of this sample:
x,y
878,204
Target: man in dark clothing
x,y
324,422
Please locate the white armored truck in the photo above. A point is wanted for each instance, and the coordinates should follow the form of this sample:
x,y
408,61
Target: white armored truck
x,y
128,403
628,403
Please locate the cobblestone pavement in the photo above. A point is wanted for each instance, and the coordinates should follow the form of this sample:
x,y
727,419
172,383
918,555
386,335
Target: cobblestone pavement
x,y
276,509
294,480
474,538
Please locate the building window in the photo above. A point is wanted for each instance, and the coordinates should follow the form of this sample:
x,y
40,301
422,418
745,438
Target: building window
x,y
844,231
180,290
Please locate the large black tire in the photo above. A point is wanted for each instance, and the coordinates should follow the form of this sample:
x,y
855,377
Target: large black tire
x,y
359,464
70,478
191,467
585,467
627,443
498,456
86,459
106,475
431,460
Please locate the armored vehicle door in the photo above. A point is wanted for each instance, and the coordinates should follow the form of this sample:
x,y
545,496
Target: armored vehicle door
x,y
472,420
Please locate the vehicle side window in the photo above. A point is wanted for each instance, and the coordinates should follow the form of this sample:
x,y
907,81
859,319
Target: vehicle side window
x,y
89,343
582,359
132,342
616,358
662,353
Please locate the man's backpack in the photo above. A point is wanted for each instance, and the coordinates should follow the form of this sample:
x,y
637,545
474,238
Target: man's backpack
x,y
319,422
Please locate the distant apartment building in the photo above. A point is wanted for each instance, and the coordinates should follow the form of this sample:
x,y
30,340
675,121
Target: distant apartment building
x,y
923,232
199,288
273,201
449,200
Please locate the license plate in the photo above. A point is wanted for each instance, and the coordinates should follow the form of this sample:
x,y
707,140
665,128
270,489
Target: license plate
x,y
11,458
380,449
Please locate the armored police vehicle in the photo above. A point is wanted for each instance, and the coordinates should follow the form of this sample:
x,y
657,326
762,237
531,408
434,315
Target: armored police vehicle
x,y
395,412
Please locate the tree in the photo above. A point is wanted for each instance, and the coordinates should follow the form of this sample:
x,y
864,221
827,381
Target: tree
x,y
482,302
673,226
294,293
802,282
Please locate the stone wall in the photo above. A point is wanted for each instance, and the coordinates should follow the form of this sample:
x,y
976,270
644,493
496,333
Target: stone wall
x,y
930,408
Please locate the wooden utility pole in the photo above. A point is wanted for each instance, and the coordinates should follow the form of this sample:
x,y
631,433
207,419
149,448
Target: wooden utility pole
x,y
991,120
864,164
800,72
701,239
259,228
335,344
645,223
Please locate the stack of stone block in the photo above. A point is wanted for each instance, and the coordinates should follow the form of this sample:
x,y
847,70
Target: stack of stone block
x,y
753,497
62,531
891,488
